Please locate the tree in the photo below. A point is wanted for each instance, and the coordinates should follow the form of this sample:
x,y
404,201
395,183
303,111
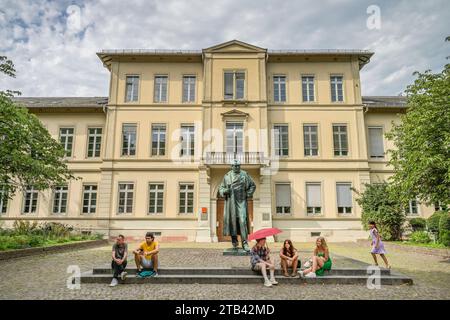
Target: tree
x,y
29,156
379,205
421,159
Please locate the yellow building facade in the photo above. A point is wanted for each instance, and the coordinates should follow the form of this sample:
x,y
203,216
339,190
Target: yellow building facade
x,y
151,155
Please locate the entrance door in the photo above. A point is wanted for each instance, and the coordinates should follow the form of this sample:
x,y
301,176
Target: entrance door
x,y
219,211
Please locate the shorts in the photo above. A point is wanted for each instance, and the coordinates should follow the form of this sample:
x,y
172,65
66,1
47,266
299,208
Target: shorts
x,y
147,263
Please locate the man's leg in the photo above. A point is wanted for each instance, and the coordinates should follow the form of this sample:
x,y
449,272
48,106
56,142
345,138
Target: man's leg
x,y
155,262
116,269
137,260
234,241
244,233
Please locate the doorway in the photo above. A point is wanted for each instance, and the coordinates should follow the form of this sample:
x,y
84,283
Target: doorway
x,y
220,205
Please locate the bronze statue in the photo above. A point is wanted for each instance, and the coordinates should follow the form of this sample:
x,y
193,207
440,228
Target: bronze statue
x,y
237,186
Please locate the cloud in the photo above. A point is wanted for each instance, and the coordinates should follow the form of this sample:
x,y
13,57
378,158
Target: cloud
x,y
53,43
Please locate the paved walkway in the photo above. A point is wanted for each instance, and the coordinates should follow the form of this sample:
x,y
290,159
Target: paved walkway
x,y
44,277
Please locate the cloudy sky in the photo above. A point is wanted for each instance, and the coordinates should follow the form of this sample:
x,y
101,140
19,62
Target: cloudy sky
x,y
53,43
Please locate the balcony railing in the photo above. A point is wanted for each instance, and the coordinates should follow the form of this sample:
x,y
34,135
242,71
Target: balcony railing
x,y
228,157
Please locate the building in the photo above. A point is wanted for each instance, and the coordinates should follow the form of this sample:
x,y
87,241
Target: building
x,y
152,154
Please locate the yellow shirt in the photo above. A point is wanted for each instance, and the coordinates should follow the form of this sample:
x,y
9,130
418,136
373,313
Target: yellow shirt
x,y
146,247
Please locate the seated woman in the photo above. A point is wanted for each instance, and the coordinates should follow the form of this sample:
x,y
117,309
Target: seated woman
x,y
321,260
260,261
289,258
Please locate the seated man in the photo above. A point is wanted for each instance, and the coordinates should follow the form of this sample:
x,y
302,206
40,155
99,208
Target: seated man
x,y
146,256
119,260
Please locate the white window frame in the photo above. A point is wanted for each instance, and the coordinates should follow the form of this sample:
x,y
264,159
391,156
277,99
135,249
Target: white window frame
x,y
128,194
191,88
334,86
128,137
183,188
91,196
340,134
236,148
161,130
134,87
278,139
283,208
410,208
234,72
59,193
34,197
345,210
309,134
65,136
190,140
158,99
97,139
314,211
371,142
306,82
158,194
3,200
278,81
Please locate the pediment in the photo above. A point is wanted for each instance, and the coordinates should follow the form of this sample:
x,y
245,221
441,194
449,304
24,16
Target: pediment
x,y
235,114
234,46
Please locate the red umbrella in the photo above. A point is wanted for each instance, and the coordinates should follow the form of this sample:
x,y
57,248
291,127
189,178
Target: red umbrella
x,y
264,233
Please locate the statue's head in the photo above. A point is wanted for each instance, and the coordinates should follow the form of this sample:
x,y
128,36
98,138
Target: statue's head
x,y
236,166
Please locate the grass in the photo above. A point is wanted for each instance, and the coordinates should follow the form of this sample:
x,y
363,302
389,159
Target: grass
x,y
424,245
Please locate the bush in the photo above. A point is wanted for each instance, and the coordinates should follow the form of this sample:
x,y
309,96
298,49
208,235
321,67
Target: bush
x,y
378,205
22,227
420,237
433,221
418,224
444,229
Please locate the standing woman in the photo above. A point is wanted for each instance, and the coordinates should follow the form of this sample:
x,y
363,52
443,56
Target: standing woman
x,y
260,261
377,245
289,258
321,260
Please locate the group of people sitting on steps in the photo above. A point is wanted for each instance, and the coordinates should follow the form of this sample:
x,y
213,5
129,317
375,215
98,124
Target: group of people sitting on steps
x,y
146,258
316,266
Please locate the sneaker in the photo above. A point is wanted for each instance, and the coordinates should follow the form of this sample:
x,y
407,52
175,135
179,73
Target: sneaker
x,y
154,274
294,275
123,275
311,275
267,283
114,282
273,281
300,272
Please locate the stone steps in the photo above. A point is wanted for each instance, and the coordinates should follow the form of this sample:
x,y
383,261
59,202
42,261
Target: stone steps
x,y
240,276
233,271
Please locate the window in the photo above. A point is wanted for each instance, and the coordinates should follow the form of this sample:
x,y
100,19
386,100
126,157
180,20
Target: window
x,y
235,137
30,201
344,197
156,198
94,142
283,198
281,139
376,143
126,193
158,139
160,89
66,139
89,198
310,140
188,88
413,208
187,140
313,198
279,88
340,140
308,88
234,84
132,89
336,89
129,140
3,200
439,206
186,198
60,199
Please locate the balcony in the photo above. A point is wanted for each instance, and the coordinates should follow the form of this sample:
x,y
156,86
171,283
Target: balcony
x,y
227,158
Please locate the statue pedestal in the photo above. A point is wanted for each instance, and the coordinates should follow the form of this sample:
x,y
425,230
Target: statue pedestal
x,y
235,252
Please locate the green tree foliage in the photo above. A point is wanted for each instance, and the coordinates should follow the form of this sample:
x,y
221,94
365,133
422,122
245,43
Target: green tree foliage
x,y
421,157
444,229
378,205
28,153
418,224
